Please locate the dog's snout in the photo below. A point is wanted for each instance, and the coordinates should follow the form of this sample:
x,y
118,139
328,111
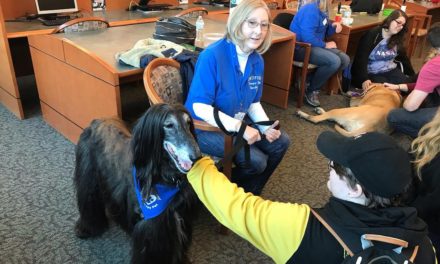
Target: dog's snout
x,y
195,157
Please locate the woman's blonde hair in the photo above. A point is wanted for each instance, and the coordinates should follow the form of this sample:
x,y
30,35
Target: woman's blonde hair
x,y
427,145
238,17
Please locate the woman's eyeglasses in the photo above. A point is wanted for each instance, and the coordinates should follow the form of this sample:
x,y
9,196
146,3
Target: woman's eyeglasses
x,y
400,23
253,24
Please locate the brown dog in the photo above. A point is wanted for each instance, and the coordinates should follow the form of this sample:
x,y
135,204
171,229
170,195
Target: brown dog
x,y
370,114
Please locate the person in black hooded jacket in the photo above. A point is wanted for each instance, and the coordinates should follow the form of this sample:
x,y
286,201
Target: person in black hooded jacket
x,y
379,53
368,174
425,193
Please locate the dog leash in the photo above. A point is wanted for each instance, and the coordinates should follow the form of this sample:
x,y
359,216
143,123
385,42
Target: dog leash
x,y
240,142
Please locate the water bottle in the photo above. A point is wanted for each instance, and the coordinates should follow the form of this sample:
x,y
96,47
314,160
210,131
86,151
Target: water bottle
x,y
403,6
200,24
232,5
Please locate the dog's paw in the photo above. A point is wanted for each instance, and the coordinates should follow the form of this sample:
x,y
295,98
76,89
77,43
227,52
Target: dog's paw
x,y
319,110
301,114
83,232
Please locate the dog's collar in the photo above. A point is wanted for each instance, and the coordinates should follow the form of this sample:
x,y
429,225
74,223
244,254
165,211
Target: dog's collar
x,y
156,203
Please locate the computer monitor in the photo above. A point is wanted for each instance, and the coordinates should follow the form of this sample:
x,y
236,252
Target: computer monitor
x,y
56,6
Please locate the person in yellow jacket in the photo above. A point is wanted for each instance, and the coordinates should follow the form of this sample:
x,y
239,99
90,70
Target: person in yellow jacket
x,y
367,175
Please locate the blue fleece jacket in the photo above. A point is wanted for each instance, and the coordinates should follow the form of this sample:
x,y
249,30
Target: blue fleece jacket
x,y
219,82
311,25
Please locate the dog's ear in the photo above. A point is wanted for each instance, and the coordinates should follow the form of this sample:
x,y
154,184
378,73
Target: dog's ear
x,y
147,143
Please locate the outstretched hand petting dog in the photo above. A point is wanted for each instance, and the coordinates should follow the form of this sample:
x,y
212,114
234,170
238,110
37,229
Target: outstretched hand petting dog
x,y
396,87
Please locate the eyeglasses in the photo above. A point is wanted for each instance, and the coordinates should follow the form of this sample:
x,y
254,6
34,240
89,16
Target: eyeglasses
x,y
253,24
400,23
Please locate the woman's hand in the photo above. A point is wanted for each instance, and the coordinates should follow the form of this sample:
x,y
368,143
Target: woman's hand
x,y
366,84
391,86
338,26
330,45
251,135
271,133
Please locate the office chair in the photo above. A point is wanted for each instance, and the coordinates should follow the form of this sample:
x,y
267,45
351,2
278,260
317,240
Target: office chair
x,y
194,12
419,32
163,84
82,24
393,4
301,68
290,4
271,4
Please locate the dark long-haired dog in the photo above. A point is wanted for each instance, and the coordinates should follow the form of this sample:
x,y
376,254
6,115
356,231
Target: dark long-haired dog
x,y
111,163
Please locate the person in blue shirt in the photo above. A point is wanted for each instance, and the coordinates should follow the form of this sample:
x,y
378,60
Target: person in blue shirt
x,y
312,25
229,76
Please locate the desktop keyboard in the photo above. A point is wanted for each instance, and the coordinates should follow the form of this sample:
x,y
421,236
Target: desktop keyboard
x,y
54,22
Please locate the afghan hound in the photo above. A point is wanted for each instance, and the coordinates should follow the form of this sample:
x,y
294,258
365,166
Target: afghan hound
x,y
139,182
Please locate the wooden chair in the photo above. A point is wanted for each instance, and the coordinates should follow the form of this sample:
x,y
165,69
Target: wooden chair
x,y
271,4
82,24
301,68
194,12
163,84
290,4
419,33
393,4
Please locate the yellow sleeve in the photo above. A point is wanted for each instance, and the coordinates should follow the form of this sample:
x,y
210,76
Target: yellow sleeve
x,y
274,228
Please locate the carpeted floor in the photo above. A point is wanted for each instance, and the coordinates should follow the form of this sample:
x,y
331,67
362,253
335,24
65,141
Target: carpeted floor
x,y
38,210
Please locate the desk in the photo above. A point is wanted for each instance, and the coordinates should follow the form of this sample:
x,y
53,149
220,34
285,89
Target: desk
x,y
424,7
78,78
15,59
115,18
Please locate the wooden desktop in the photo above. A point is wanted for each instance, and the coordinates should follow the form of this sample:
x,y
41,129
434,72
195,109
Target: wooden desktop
x,y
424,7
15,57
78,78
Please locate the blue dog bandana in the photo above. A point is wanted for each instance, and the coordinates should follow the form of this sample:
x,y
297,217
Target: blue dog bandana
x,y
156,203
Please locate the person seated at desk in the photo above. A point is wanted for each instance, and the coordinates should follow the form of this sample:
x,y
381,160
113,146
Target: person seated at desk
x,y
424,98
312,25
229,76
378,51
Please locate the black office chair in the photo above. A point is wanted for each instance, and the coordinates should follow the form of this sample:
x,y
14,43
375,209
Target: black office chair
x,y
82,24
301,68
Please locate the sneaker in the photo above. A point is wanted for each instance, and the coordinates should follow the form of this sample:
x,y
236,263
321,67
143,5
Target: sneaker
x,y
312,99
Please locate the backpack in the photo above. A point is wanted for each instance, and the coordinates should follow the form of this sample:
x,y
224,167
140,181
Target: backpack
x,y
370,253
175,29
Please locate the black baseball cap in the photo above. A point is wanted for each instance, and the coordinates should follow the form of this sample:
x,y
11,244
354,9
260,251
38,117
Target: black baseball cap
x,y
376,160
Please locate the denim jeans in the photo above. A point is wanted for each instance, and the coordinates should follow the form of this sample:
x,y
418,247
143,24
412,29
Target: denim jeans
x,y
264,158
410,122
329,61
